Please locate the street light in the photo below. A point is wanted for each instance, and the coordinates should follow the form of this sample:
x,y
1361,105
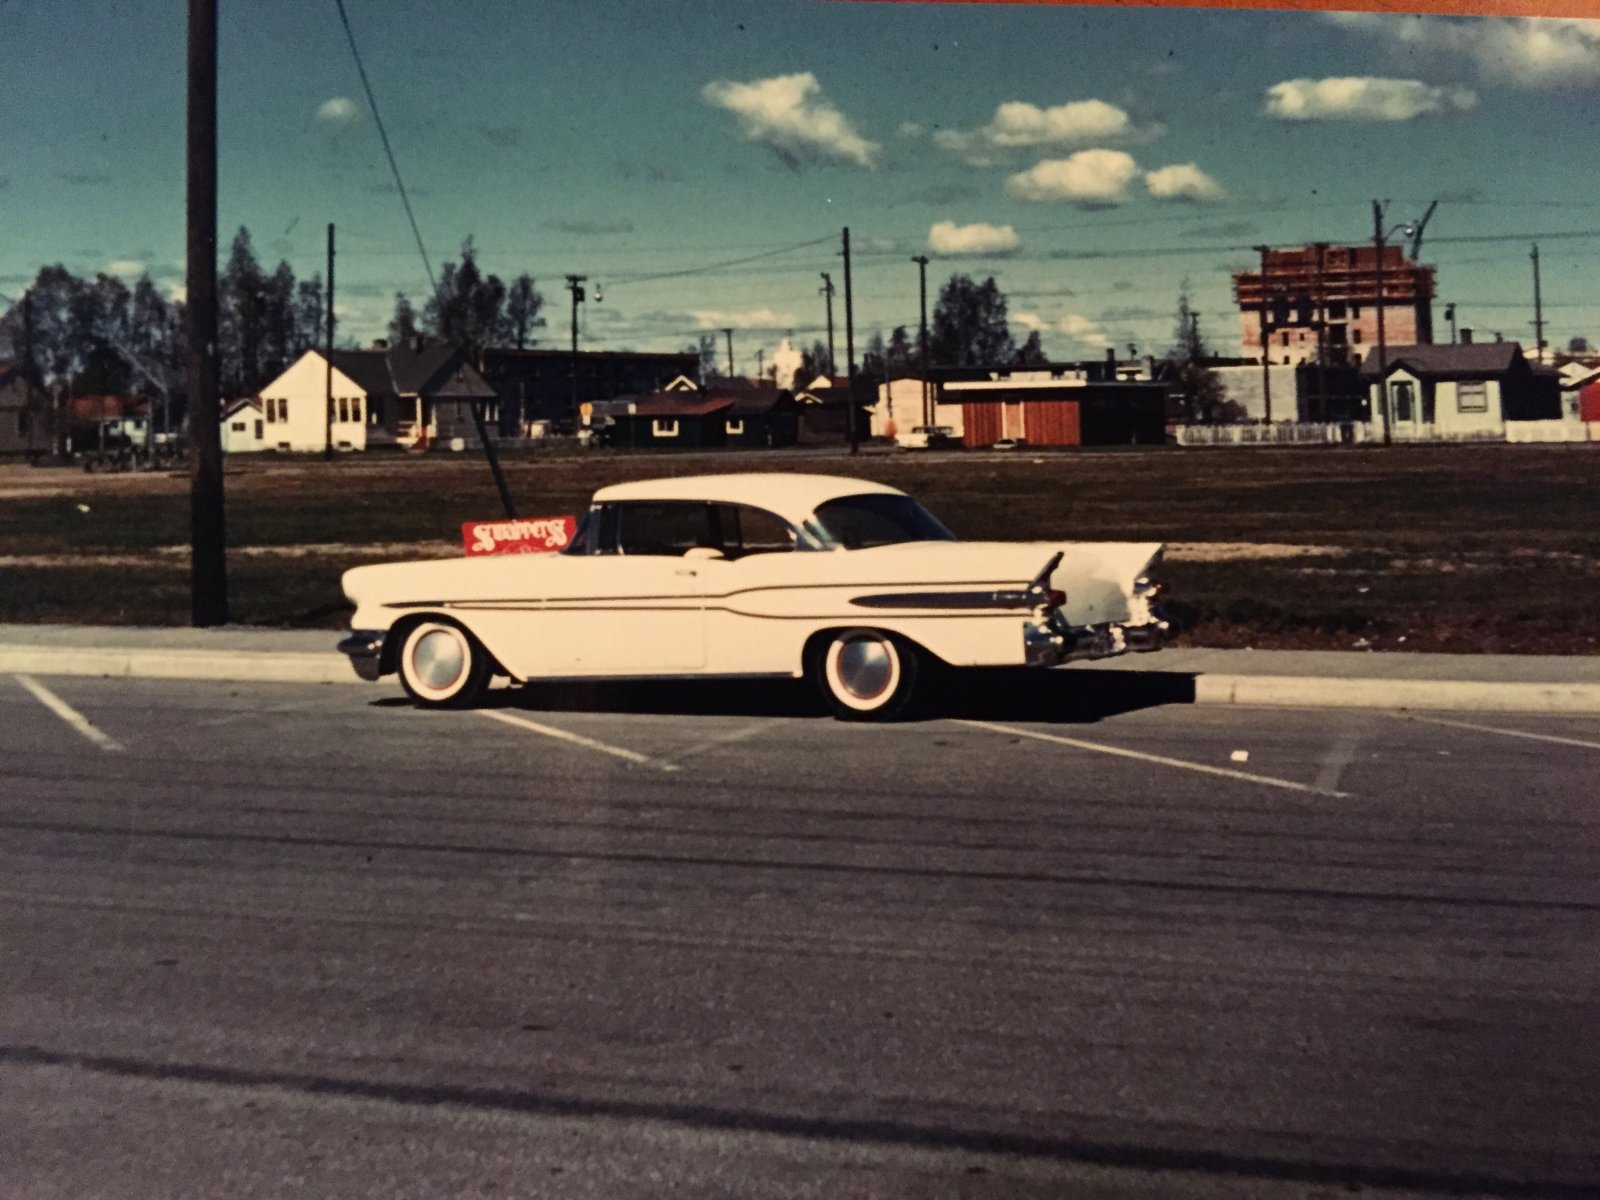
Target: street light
x,y
1378,239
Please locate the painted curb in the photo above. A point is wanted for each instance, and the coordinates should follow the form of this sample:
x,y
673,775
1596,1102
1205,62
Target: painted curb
x,y
1459,695
1289,691
227,666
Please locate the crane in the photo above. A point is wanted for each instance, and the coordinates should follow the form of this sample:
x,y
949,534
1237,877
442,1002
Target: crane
x,y
1416,231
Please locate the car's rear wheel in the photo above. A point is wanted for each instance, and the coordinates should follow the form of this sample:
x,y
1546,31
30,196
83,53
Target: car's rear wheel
x,y
443,666
867,674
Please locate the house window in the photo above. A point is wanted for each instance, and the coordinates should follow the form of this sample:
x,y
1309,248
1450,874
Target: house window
x,y
664,429
344,408
355,409
283,408
1472,396
735,428
272,412
1355,336
237,427
260,432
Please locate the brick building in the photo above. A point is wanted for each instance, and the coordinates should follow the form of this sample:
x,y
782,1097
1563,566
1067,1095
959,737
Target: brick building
x,y
1322,303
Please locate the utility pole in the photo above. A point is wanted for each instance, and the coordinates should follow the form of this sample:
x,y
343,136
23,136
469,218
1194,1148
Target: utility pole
x,y
760,362
327,447
1538,307
922,339
575,286
827,290
1450,315
207,529
850,348
1266,359
1378,288
728,333
1322,332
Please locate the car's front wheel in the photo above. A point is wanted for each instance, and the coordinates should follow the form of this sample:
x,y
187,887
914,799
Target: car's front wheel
x,y
443,666
867,674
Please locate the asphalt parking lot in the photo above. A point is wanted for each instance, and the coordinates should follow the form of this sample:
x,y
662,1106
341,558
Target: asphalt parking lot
x,y
1059,939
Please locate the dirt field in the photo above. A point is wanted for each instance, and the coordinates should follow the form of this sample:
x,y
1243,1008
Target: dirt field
x,y
1464,548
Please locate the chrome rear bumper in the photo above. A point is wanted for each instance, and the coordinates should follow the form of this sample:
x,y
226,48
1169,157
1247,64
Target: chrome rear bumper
x,y
1050,641
364,648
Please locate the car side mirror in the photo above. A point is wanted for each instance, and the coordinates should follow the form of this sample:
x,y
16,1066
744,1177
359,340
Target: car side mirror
x,y
703,553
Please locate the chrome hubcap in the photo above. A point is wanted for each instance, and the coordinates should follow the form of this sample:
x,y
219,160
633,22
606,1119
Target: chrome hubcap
x,y
437,658
864,668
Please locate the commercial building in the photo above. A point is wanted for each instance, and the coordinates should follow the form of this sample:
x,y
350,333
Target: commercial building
x,y
1322,303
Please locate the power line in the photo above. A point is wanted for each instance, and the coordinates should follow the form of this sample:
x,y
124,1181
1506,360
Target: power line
x,y
388,150
732,262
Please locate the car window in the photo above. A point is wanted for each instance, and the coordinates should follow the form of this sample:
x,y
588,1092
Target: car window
x,y
746,530
875,519
657,527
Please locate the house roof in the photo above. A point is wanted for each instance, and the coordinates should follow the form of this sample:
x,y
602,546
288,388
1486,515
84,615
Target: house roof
x,y
756,403
110,406
433,369
672,404
1471,358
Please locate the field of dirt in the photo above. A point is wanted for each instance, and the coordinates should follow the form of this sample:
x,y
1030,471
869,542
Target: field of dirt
x,y
1463,548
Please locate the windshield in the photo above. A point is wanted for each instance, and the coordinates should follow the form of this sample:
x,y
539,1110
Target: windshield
x,y
857,522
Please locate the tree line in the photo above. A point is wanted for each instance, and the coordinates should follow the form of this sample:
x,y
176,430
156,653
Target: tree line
x,y
91,335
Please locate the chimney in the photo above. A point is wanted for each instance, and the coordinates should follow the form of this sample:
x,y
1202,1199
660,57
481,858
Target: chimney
x,y
1111,362
1466,336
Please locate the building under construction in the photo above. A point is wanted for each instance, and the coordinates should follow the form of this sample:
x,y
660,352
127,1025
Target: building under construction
x,y
1320,303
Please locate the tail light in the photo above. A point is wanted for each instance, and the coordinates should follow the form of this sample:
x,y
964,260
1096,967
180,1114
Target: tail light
x,y
1148,588
1055,597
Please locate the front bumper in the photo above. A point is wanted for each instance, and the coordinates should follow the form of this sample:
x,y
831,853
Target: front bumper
x,y
1049,641
364,648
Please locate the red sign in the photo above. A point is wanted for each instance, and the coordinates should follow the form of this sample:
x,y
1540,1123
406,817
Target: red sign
x,y
531,535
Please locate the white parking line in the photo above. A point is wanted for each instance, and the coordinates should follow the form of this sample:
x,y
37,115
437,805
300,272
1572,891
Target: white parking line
x,y
1160,759
1340,756
1516,733
577,739
68,714
723,739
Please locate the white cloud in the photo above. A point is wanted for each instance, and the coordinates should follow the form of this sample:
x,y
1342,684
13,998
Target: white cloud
x,y
910,129
1089,178
341,110
1084,330
1017,124
750,318
1533,52
1364,98
1183,181
947,237
788,113
1031,321
125,266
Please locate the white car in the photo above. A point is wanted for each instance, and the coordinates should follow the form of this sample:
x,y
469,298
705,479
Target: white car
x,y
851,583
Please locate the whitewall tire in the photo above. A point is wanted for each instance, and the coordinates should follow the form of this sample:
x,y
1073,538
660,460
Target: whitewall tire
x,y
867,674
443,666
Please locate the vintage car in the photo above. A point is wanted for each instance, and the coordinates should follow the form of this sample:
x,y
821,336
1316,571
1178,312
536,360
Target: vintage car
x,y
851,583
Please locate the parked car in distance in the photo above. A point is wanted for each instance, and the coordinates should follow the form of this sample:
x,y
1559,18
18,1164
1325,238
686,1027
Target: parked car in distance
x,y
1010,444
851,583
927,437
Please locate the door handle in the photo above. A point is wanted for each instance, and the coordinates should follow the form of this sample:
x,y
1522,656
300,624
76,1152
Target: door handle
x,y
686,571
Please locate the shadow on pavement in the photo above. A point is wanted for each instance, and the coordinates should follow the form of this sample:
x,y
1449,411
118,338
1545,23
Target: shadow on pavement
x,y
1068,697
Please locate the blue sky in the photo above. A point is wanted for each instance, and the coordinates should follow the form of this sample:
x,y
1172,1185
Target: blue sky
x,y
1090,158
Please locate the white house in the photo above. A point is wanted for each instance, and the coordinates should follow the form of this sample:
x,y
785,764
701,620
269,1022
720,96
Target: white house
x,y
1464,390
243,427
413,394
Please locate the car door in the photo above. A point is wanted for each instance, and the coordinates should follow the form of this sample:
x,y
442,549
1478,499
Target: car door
x,y
635,605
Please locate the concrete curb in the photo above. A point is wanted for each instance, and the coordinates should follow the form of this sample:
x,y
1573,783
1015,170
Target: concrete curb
x,y
1291,691
1457,695
225,666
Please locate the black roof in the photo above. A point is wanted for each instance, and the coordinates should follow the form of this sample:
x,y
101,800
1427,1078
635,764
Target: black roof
x,y
1466,359
431,369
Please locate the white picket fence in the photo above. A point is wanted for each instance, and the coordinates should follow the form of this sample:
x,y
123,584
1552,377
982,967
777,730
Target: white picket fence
x,y
1298,433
